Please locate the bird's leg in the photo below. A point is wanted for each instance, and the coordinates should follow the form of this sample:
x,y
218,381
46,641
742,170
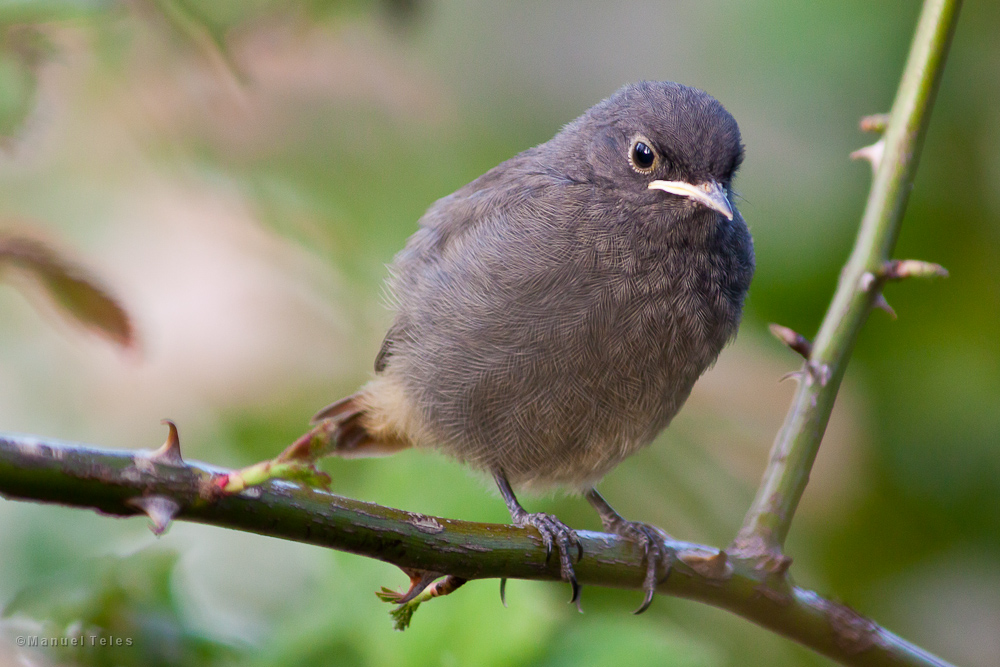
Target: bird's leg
x,y
553,531
649,537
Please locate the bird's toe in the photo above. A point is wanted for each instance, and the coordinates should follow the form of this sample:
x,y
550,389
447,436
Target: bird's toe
x,y
556,534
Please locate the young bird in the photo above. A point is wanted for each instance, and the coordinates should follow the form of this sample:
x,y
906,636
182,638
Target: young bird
x,y
553,314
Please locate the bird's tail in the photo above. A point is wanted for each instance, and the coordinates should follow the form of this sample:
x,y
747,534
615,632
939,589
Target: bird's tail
x,y
352,430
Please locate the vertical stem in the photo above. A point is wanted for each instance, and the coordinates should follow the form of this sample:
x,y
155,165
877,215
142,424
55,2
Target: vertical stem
x,y
767,522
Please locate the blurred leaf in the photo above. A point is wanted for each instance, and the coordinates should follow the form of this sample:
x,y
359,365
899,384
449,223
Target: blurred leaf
x,y
127,602
71,287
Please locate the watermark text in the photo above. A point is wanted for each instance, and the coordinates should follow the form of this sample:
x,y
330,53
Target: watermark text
x,y
39,641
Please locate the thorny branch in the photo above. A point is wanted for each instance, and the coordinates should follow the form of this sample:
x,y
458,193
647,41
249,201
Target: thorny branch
x,y
749,578
160,484
894,159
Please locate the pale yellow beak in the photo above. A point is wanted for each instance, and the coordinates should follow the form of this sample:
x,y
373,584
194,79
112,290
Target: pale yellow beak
x,y
709,194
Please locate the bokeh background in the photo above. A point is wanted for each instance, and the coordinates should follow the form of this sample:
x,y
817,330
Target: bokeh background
x,y
239,174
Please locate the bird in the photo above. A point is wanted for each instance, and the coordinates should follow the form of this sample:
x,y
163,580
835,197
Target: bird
x,y
552,316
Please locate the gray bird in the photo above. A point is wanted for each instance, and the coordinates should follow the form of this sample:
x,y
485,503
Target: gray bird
x,y
553,314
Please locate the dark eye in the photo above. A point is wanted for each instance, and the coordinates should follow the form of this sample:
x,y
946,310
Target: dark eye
x,y
642,156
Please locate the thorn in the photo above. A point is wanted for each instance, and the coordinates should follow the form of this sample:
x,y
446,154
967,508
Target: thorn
x,y
795,341
791,375
867,280
160,510
503,591
169,452
871,153
898,269
882,304
819,372
876,123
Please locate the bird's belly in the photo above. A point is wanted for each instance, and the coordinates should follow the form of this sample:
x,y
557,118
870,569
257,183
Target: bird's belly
x,y
559,397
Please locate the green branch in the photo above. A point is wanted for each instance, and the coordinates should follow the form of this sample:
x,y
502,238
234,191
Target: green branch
x,y
894,158
161,485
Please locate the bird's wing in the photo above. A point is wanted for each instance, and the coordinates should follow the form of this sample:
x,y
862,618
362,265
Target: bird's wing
x,y
440,227
447,242
490,196
382,358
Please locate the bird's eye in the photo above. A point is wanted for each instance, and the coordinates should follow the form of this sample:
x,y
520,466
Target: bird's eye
x,y
642,156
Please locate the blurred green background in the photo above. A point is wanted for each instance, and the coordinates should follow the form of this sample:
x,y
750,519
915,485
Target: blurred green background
x,y
239,174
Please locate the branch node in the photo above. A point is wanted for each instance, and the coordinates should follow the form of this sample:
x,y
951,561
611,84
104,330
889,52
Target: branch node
x,y
760,550
779,565
819,372
873,154
774,564
867,281
160,510
421,590
875,123
771,560
419,580
792,339
282,467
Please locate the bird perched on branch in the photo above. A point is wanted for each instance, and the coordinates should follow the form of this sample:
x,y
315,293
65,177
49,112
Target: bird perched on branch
x,y
553,315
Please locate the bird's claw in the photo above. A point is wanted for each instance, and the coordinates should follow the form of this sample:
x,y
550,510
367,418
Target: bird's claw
x,y
557,534
650,538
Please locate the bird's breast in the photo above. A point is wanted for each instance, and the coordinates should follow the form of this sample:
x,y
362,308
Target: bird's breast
x,y
556,359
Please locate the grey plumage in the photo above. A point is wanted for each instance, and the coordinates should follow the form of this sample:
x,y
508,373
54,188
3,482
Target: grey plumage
x,y
553,315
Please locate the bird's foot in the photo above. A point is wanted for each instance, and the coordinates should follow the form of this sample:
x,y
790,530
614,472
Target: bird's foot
x,y
556,534
658,555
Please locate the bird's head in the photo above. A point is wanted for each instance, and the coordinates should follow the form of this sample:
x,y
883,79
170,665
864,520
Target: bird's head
x,y
662,143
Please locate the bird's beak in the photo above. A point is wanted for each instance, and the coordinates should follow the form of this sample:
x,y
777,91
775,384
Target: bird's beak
x,y
709,194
